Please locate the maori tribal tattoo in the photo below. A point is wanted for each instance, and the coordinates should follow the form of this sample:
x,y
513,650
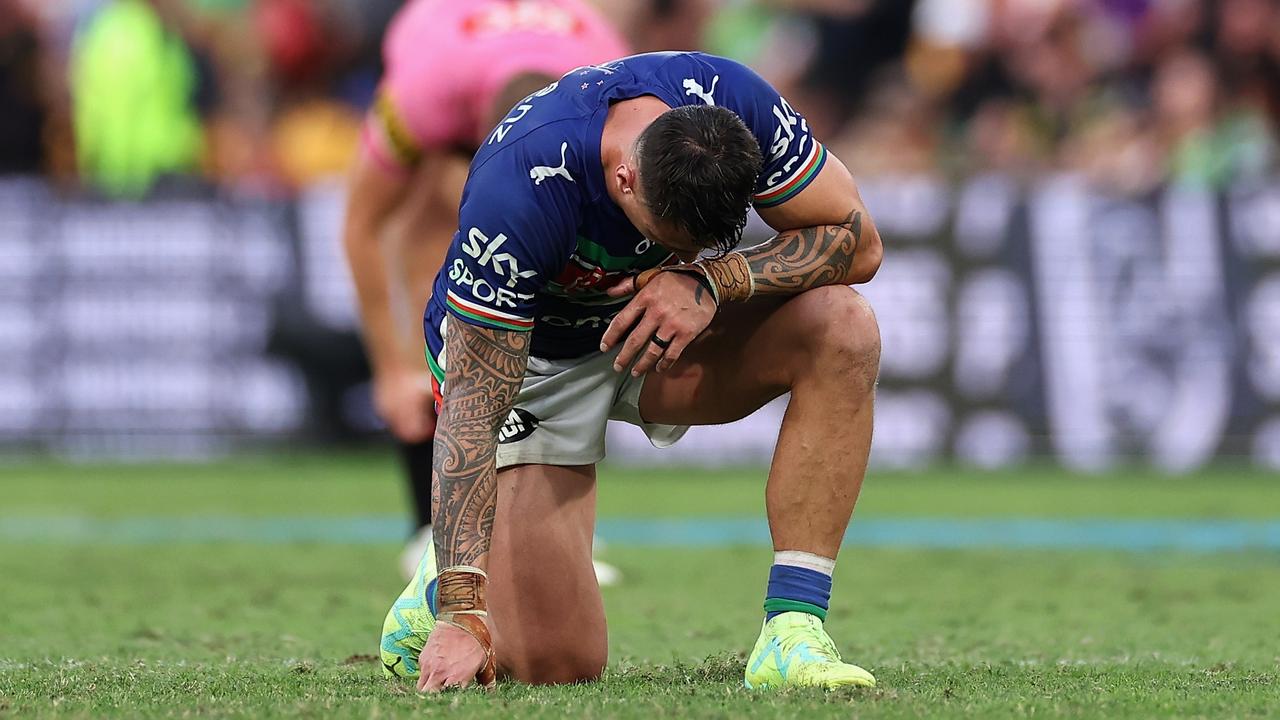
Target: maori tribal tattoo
x,y
482,377
796,260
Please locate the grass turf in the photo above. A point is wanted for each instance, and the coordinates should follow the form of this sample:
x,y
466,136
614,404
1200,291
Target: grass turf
x,y
366,483
241,630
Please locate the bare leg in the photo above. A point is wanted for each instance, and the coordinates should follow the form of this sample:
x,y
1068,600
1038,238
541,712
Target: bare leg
x,y
824,347
547,614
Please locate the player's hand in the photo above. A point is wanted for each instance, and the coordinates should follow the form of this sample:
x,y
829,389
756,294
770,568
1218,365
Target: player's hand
x,y
669,310
403,399
451,658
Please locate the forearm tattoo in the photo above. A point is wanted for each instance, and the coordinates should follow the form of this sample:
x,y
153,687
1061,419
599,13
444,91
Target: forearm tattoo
x,y
797,260
482,377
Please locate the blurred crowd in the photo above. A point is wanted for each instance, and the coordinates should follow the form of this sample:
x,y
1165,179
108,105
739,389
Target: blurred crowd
x,y
266,96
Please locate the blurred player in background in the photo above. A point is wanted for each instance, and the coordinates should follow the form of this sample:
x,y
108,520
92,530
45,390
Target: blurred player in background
x,y
453,70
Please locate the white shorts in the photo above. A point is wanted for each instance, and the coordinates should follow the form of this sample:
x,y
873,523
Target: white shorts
x,y
563,408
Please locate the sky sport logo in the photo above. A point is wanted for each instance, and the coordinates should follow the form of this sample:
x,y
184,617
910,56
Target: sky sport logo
x,y
520,424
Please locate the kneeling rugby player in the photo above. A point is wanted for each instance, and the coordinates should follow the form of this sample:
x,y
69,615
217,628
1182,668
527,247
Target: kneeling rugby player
x,y
593,277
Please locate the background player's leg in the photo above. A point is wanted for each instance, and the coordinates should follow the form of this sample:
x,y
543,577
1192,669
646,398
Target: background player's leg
x,y
548,616
415,458
822,345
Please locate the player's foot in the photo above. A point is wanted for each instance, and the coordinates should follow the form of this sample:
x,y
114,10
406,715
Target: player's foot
x,y
606,574
410,619
413,550
794,650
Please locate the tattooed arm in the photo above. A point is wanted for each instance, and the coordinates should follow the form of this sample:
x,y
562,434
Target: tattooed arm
x,y
833,242
827,238
795,260
482,377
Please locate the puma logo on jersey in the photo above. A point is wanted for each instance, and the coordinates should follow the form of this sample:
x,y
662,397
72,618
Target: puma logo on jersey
x,y
542,172
485,251
693,87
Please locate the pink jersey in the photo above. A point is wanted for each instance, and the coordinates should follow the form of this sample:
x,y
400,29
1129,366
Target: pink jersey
x,y
447,60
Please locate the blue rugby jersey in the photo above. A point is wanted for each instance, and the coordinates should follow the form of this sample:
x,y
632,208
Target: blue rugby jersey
x,y
539,239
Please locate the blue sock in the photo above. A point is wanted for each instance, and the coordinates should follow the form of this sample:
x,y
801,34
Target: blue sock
x,y
431,596
797,589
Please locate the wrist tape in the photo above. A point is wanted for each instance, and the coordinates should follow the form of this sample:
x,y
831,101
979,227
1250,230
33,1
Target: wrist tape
x,y
460,599
730,277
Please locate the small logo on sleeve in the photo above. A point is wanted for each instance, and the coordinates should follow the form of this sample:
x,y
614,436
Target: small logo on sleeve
x,y
693,87
538,173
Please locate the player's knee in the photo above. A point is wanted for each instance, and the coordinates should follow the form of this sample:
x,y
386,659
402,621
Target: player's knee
x,y
565,665
842,333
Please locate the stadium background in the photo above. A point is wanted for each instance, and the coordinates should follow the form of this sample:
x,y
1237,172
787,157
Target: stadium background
x,y
1078,427
1081,202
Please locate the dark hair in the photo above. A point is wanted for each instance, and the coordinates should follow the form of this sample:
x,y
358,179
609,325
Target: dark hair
x,y
698,171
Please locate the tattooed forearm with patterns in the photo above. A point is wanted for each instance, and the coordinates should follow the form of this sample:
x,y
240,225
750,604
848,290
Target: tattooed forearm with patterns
x,y
484,369
797,260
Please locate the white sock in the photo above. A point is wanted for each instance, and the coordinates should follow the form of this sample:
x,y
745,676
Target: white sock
x,y
799,558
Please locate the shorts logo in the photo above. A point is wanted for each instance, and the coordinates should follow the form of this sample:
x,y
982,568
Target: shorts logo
x,y
542,172
520,424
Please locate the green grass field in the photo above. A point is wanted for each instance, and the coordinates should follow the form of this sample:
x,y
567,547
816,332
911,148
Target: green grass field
x,y
264,629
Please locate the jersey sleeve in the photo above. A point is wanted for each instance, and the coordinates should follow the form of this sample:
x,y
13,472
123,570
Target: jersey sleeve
x,y
405,120
387,138
516,231
792,155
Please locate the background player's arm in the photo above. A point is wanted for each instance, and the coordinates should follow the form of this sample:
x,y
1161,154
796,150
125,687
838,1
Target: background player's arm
x,y
826,237
374,194
400,399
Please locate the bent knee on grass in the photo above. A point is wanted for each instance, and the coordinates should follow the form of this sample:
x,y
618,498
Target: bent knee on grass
x,y
558,667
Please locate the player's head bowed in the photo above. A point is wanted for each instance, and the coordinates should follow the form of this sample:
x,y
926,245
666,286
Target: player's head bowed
x,y
697,171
